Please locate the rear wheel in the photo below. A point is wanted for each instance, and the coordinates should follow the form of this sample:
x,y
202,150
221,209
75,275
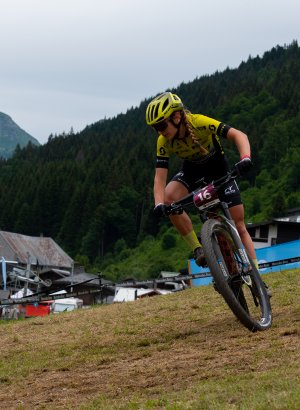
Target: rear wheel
x,y
238,282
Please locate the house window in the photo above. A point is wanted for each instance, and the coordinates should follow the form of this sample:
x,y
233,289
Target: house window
x,y
251,232
264,231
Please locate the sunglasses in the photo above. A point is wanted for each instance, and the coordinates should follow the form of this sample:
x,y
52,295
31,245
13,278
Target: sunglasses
x,y
161,126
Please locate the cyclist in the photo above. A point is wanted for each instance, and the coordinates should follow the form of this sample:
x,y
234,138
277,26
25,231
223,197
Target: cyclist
x,y
195,138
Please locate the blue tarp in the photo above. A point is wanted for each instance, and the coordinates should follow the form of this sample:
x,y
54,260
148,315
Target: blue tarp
x,y
270,259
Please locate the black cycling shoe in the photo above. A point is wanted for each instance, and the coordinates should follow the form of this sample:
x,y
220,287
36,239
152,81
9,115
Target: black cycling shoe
x,y
199,256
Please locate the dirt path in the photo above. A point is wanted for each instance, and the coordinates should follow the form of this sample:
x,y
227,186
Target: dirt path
x,y
139,349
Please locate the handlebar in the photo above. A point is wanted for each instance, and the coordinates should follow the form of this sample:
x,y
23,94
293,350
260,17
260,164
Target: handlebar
x,y
177,207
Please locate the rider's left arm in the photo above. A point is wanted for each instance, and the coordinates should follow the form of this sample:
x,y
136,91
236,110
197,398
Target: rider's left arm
x,y
241,141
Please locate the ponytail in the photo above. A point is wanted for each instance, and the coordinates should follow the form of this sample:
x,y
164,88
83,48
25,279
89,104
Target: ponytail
x,y
191,133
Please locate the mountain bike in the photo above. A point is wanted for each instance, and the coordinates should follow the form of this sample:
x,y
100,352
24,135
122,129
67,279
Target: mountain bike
x,y
234,274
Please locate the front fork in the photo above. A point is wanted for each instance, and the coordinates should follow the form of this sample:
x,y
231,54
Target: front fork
x,y
228,222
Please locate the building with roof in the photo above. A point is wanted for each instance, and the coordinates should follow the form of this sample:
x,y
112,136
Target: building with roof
x,y
40,264
31,263
276,231
36,250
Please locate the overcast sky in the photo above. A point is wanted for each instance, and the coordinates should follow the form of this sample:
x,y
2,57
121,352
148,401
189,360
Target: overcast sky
x,y
70,63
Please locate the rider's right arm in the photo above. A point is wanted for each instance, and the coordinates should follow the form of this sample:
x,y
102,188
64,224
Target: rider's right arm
x,y
160,180
162,152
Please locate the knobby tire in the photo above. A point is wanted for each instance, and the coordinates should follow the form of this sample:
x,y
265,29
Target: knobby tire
x,y
244,292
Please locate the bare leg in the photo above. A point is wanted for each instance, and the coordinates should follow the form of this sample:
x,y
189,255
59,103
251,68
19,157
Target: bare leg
x,y
237,214
174,191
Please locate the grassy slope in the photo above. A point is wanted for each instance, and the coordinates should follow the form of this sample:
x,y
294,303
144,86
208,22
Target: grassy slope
x,y
181,351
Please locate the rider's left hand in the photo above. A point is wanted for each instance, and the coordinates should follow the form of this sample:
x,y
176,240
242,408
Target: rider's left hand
x,y
243,165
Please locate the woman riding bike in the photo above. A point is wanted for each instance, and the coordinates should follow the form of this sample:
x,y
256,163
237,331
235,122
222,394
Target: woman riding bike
x,y
195,138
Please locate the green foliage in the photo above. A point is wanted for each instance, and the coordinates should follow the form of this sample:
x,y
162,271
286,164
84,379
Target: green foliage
x,y
168,241
120,246
279,205
83,260
148,259
92,191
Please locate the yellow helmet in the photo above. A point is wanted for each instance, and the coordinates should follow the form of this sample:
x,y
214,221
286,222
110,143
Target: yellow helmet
x,y
162,107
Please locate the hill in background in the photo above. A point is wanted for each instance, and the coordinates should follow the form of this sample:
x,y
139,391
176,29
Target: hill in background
x,y
11,135
92,191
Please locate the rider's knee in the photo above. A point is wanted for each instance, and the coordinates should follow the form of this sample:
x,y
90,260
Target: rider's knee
x,y
169,197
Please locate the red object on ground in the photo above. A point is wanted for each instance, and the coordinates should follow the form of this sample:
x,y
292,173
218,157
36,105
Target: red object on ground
x,y
42,309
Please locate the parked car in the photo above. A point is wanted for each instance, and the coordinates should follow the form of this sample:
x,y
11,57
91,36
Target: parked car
x,y
66,305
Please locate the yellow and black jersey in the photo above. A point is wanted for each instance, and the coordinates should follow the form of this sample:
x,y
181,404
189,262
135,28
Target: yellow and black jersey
x,y
207,131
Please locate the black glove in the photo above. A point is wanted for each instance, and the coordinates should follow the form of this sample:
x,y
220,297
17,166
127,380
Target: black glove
x,y
243,166
160,210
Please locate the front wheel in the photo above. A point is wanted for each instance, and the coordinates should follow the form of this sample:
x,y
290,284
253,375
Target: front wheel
x,y
235,279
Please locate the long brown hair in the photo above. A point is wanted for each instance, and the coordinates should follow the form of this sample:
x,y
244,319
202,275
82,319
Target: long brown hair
x,y
191,133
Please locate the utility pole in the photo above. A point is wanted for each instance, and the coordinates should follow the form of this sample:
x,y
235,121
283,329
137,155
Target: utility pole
x,y
27,273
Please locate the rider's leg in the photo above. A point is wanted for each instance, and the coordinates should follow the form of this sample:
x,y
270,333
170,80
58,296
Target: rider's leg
x,y
237,214
174,191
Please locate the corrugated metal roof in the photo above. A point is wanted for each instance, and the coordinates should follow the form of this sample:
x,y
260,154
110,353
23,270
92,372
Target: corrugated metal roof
x,y
79,278
41,250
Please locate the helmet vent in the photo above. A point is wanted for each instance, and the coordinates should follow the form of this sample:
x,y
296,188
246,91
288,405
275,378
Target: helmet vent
x,y
150,115
165,104
156,112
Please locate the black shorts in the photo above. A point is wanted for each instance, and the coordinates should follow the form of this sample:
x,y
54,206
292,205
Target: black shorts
x,y
191,173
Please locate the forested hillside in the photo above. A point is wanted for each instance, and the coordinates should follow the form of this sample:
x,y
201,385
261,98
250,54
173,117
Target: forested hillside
x,y
92,191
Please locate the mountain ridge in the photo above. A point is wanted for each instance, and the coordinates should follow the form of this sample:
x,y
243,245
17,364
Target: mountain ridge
x,y
92,191
12,135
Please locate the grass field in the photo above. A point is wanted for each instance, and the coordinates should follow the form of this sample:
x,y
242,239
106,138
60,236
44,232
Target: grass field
x,y
181,351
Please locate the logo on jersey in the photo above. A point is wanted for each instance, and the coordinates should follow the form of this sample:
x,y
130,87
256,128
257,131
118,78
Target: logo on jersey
x,y
230,190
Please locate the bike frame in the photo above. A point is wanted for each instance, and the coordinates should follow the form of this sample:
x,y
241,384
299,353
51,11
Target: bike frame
x,y
235,275
208,205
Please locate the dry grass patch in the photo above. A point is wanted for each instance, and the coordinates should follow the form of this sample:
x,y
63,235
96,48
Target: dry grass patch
x,y
180,351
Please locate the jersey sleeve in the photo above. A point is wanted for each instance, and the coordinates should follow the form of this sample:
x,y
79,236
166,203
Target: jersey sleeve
x,y
222,130
162,152
204,123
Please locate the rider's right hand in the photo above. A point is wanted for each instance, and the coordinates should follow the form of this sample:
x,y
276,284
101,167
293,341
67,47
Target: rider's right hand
x,y
160,210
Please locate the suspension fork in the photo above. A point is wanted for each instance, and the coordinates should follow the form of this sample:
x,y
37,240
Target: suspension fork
x,y
231,227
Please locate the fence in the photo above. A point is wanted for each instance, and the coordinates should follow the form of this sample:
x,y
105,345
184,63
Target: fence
x,y
270,259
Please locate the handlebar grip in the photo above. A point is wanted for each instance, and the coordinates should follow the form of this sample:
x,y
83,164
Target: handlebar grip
x,y
174,209
234,172
168,210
